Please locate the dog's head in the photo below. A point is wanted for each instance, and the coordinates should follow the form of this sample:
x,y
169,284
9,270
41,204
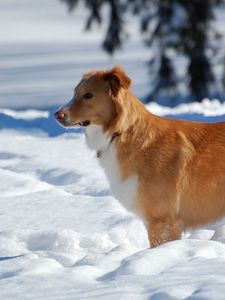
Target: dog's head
x,y
97,99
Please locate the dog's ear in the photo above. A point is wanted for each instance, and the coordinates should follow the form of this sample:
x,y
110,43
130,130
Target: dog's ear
x,y
88,74
117,79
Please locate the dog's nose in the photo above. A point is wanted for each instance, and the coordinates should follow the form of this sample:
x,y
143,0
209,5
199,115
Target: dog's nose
x,y
60,115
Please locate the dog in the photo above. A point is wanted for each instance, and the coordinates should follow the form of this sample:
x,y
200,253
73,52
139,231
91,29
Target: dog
x,y
171,173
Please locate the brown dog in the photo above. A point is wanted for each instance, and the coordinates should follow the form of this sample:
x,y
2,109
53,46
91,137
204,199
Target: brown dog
x,y
169,172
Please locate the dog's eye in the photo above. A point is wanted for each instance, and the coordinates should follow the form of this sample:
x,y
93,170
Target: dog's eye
x,y
88,95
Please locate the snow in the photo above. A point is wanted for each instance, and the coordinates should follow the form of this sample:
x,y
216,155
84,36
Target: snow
x,y
206,107
29,114
62,234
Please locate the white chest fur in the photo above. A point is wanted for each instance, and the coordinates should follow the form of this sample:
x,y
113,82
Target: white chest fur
x,y
125,191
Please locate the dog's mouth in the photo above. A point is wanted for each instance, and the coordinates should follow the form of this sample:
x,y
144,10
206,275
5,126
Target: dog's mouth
x,y
84,123
65,121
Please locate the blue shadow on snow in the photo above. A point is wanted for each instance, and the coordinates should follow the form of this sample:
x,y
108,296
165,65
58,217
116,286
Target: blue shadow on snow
x,y
47,125
52,128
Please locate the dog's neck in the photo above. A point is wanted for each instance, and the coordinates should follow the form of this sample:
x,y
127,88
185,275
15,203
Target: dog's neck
x,y
99,140
114,136
133,123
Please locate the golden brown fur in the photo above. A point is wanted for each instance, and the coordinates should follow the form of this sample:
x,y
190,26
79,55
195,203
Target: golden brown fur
x,y
180,164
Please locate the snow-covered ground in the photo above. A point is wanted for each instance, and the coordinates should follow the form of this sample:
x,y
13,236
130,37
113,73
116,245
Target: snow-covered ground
x,y
62,235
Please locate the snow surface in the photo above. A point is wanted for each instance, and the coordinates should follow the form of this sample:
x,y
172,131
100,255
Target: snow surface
x,y
62,235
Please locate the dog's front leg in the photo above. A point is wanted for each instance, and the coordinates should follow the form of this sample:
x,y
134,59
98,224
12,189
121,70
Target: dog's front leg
x,y
164,230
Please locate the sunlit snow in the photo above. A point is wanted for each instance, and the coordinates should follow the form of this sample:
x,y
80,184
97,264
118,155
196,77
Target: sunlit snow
x,y
62,235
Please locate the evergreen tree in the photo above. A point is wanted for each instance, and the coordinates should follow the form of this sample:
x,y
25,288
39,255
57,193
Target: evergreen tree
x,y
179,27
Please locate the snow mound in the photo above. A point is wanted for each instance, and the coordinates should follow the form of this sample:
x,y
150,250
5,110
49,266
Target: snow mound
x,y
28,114
207,108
